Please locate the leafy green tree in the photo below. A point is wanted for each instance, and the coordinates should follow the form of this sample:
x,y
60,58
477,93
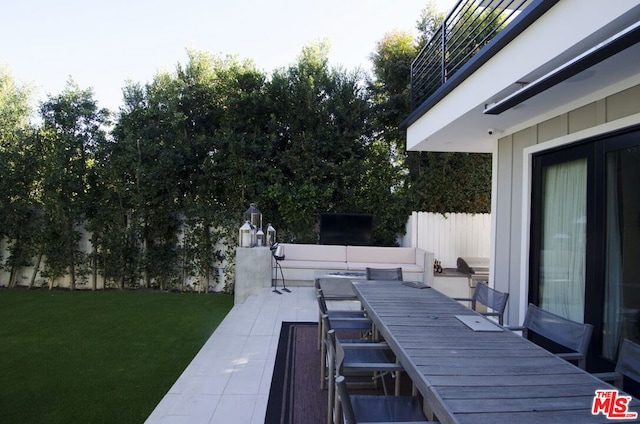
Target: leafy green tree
x,y
73,126
430,20
318,138
188,146
435,182
148,150
225,102
18,215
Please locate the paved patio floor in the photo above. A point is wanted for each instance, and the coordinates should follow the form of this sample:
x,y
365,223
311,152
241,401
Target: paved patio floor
x,y
229,379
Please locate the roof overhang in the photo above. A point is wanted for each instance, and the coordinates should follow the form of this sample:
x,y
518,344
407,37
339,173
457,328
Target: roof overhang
x,y
574,50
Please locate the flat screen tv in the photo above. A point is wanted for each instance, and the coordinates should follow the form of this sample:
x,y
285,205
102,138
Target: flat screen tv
x,y
346,229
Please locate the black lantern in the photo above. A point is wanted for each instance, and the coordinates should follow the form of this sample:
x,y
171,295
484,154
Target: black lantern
x,y
253,215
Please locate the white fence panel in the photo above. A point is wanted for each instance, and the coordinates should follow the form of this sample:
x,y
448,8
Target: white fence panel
x,y
450,236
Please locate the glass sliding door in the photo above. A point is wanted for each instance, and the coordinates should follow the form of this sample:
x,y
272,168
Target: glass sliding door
x,y
562,255
622,249
585,239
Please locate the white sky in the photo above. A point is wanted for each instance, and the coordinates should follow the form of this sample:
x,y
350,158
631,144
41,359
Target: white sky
x,y
102,44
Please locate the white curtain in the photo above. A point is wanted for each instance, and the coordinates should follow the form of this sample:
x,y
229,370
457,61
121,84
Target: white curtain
x,y
612,325
564,223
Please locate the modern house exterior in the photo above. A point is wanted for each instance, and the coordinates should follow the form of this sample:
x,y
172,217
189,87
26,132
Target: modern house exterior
x,y
554,94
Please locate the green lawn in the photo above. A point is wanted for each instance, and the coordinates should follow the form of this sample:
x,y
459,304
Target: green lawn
x,y
97,357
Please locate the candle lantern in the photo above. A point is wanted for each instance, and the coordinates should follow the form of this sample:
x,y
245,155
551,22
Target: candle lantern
x,y
244,237
271,235
253,235
253,215
259,237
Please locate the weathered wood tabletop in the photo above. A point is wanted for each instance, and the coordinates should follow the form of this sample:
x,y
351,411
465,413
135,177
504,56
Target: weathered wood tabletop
x,y
337,285
469,376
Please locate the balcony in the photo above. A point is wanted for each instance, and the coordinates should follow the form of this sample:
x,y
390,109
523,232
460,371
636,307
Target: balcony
x,y
465,32
516,67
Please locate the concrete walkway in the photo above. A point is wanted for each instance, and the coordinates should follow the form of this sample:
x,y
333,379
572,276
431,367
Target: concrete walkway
x,y
229,379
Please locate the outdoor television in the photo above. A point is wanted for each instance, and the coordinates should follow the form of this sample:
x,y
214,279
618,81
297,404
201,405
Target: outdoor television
x,y
346,229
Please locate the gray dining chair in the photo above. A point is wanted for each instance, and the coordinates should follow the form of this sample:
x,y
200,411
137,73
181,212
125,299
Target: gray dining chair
x,y
378,408
323,309
355,321
394,274
353,359
493,299
628,365
350,332
570,334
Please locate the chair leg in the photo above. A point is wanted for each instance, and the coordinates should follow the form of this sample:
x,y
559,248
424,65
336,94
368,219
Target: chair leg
x,y
332,393
338,409
320,330
323,366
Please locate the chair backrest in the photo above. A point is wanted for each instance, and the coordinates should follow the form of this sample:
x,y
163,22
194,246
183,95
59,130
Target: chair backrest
x,y
337,350
345,399
570,334
327,323
330,344
394,274
493,299
322,303
629,360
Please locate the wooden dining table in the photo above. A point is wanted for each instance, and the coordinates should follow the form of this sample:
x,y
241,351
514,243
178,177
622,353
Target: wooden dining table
x,y
470,370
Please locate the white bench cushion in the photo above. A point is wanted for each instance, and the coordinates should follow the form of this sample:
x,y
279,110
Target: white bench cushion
x,y
320,265
314,252
361,266
382,255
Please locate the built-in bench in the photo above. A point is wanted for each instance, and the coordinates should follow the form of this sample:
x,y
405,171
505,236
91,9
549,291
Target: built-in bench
x,y
303,261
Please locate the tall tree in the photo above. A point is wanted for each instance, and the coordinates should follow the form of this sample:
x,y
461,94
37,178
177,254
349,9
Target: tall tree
x,y
188,144
72,128
18,218
318,142
436,182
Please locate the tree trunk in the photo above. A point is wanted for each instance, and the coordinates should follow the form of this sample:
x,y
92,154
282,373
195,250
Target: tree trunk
x,y
35,271
72,257
94,266
207,268
13,276
72,274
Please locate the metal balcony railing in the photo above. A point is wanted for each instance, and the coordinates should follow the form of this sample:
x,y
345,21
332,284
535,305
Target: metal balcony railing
x,y
464,32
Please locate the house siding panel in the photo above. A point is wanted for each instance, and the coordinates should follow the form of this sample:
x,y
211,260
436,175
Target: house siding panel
x,y
553,128
623,104
509,215
502,218
583,117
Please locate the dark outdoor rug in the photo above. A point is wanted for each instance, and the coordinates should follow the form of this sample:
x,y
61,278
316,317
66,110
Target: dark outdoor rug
x,y
295,396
